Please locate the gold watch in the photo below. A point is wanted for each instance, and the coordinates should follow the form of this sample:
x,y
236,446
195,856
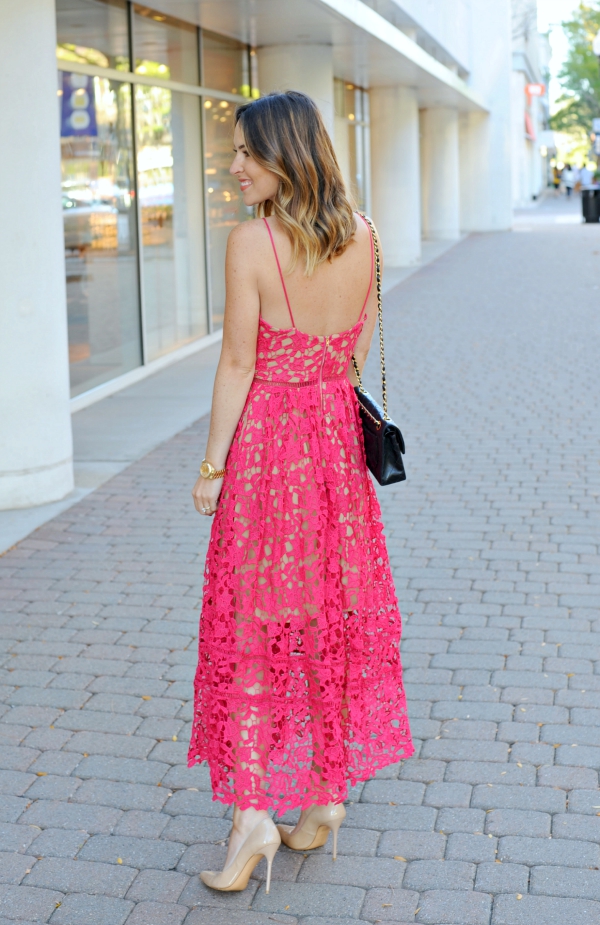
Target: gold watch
x,y
208,471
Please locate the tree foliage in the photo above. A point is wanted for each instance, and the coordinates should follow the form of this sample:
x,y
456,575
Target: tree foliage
x,y
580,74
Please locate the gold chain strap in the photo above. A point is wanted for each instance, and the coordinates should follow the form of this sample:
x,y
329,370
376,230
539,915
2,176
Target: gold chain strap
x,y
380,318
366,411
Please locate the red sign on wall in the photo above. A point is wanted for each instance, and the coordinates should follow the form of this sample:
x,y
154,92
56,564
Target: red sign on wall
x,y
535,90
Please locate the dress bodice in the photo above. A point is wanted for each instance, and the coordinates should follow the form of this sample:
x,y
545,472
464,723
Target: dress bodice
x,y
294,357
287,356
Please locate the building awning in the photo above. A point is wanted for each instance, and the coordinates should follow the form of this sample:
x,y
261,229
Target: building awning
x,y
547,139
367,49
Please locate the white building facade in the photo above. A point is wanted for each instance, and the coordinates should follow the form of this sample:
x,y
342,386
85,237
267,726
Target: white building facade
x,y
531,152
118,201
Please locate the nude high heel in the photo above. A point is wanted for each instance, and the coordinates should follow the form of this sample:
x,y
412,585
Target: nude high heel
x,y
315,828
262,841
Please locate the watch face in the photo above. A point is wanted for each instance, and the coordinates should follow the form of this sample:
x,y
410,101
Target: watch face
x,y
205,469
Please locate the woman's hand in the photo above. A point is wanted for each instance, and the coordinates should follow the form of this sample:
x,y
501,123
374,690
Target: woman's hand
x,y
206,495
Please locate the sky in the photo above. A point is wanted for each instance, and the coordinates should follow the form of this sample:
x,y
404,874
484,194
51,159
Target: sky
x,y
550,15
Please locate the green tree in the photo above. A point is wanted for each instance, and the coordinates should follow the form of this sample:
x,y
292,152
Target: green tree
x,y
580,74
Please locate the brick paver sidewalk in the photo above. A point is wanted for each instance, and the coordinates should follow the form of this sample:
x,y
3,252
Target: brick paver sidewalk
x,y
493,365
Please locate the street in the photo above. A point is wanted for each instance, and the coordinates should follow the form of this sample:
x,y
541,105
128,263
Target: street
x,y
493,371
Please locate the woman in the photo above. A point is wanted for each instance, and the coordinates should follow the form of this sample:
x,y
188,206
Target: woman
x,y
299,683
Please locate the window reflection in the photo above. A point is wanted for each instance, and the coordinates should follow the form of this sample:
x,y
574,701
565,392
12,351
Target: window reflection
x,y
225,64
93,32
165,47
99,228
225,208
170,191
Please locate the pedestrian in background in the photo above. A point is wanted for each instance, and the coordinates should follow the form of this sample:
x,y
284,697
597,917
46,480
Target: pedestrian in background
x,y
556,178
568,179
585,175
299,682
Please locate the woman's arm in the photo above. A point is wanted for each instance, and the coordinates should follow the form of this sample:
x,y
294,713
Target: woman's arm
x,y
238,357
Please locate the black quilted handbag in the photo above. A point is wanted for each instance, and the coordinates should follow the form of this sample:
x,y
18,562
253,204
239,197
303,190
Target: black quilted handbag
x,y
384,443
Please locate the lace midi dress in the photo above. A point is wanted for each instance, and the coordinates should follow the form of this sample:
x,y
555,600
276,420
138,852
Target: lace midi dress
x,y
298,688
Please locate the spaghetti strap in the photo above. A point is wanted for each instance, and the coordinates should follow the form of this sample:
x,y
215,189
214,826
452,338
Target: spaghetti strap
x,y
281,274
360,317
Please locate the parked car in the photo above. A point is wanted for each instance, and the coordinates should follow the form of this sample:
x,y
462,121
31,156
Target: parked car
x,y
90,224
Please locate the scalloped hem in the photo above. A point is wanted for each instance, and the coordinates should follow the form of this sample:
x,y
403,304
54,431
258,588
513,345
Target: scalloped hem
x,y
304,802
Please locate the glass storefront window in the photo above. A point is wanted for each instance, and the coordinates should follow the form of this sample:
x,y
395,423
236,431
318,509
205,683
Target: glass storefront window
x,y
165,47
352,139
100,230
224,205
225,64
171,207
93,32
145,230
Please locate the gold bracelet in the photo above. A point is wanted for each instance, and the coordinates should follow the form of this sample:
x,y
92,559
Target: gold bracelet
x,y
208,471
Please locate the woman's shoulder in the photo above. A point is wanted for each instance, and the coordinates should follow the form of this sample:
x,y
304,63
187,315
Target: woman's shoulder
x,y
248,238
365,226
253,229
364,222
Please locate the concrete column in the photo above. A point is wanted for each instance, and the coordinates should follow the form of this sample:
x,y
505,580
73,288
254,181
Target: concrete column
x,y
35,424
440,185
308,68
395,173
520,193
473,147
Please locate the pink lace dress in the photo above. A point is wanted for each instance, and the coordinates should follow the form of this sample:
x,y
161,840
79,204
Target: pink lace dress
x,y
299,682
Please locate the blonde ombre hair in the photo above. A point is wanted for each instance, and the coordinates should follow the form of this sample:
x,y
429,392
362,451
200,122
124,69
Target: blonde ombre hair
x,y
284,133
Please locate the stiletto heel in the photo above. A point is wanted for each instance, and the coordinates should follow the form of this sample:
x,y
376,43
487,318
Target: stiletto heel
x,y
262,841
269,853
315,828
335,827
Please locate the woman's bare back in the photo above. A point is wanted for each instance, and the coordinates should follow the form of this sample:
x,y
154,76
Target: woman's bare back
x,y
326,303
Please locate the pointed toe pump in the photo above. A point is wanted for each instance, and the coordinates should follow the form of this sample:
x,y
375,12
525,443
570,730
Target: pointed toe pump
x,y
262,841
315,828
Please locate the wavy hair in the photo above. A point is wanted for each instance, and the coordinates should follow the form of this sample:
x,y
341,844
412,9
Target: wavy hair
x,y
284,133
